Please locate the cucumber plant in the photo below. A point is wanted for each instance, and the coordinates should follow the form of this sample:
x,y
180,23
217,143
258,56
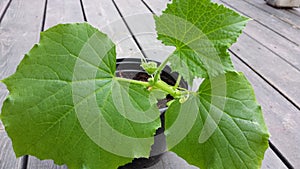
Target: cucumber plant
x,y
67,104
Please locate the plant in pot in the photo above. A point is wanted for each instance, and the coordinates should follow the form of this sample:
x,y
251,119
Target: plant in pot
x,y
66,102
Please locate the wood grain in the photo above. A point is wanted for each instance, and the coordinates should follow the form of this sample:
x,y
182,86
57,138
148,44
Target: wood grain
x,y
280,74
268,64
157,6
141,23
271,161
273,23
19,30
3,6
8,158
104,15
1,127
280,46
3,94
295,11
34,163
170,160
282,14
66,11
286,49
280,115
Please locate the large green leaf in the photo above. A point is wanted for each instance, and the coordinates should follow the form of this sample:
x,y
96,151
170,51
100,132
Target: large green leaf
x,y
62,103
220,127
202,32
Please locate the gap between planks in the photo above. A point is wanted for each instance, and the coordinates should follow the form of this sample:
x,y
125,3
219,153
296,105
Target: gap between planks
x,y
141,23
269,21
4,5
8,158
286,80
106,17
280,13
57,12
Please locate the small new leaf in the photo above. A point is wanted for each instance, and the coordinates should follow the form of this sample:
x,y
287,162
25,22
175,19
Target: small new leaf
x,y
159,94
149,67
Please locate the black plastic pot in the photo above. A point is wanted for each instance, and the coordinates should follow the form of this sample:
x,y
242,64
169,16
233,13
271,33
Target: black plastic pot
x,y
130,68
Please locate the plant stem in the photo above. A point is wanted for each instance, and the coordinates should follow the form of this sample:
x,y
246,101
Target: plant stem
x,y
159,84
146,84
177,82
159,69
167,88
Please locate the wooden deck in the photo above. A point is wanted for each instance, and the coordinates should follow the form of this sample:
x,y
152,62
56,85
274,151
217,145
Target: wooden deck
x,y
268,53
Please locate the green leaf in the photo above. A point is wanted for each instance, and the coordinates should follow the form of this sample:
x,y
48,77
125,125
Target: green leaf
x,y
202,32
159,94
220,127
149,67
62,103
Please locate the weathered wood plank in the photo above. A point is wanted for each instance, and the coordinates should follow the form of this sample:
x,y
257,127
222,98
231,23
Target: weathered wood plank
x,y
141,23
282,47
104,15
17,36
157,6
3,6
268,38
295,11
271,22
3,94
282,14
286,50
280,115
34,163
19,30
271,161
170,160
280,74
7,155
8,158
1,127
65,11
